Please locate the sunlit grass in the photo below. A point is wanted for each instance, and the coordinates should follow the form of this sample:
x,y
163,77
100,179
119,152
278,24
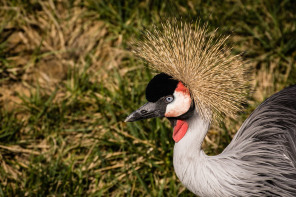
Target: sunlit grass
x,y
68,82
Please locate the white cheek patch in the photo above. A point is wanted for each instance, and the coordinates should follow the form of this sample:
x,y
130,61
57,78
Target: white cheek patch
x,y
179,106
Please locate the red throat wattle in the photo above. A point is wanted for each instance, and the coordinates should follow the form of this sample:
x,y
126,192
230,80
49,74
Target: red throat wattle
x,y
180,130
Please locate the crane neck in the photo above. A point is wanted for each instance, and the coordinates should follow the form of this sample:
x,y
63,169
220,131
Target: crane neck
x,y
191,143
202,174
189,158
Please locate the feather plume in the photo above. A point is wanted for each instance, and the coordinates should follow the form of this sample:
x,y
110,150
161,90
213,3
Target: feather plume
x,y
201,60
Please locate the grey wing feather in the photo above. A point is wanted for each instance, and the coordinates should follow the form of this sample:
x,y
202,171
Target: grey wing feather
x,y
273,121
266,143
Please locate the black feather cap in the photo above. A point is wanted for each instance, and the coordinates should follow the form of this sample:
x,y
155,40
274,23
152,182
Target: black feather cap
x,y
161,85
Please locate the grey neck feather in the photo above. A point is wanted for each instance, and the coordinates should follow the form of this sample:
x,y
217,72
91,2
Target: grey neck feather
x,y
190,162
204,175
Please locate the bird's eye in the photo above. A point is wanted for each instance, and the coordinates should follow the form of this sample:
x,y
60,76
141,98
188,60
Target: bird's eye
x,y
169,99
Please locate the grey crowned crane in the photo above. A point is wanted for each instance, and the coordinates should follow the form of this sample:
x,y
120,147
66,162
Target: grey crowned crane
x,y
199,82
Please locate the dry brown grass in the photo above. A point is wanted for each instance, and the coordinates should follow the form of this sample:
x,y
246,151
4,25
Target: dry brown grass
x,y
41,46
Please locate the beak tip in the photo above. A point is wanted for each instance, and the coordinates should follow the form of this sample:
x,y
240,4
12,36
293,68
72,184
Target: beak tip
x,y
128,119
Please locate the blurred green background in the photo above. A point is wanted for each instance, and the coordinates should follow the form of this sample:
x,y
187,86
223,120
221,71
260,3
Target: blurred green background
x,y
68,81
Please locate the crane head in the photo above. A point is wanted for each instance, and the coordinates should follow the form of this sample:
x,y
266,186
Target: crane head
x,y
202,60
169,98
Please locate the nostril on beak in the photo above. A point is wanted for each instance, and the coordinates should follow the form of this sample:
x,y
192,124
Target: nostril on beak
x,y
143,111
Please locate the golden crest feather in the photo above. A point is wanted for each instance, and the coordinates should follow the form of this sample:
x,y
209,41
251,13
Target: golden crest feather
x,y
201,60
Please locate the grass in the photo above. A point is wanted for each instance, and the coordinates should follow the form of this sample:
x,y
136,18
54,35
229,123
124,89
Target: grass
x,y
68,82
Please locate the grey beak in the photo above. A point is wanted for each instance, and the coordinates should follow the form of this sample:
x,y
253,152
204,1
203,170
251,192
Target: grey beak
x,y
149,110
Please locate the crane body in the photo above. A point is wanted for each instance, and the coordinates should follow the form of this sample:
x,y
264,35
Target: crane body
x,y
259,161
199,81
